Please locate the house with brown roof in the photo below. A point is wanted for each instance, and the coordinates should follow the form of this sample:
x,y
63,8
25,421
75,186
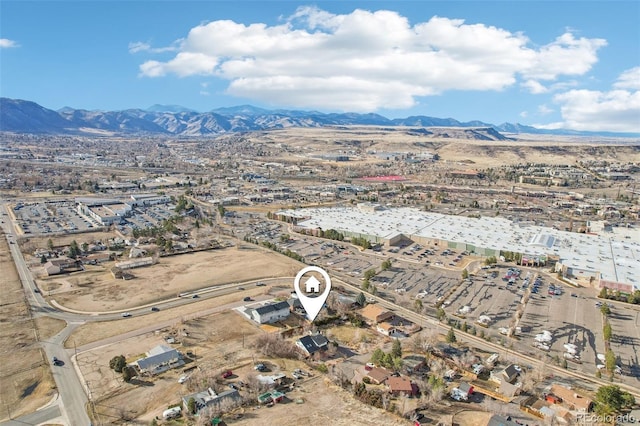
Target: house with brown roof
x,y
572,400
378,375
401,386
385,328
374,314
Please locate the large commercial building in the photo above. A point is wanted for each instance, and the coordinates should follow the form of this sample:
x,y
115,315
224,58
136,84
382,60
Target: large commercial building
x,y
603,259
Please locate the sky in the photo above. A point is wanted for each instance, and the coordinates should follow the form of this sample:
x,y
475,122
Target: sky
x,y
551,64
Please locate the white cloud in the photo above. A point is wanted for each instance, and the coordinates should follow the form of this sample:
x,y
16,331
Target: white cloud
x,y
524,114
5,43
364,61
534,87
544,110
617,110
140,46
204,93
629,79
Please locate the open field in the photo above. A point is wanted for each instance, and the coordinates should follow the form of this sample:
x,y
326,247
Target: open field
x,y
95,290
26,379
455,147
86,334
216,340
324,403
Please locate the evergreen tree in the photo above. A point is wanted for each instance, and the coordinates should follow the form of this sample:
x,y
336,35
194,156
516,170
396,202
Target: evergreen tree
x,y
451,336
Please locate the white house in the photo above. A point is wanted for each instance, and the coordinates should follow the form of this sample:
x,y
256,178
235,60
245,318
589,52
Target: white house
x,y
159,359
270,312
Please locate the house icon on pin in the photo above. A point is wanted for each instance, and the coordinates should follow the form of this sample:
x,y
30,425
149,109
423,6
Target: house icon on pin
x,y
312,285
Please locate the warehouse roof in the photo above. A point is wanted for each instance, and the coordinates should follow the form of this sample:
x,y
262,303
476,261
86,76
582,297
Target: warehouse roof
x,y
616,259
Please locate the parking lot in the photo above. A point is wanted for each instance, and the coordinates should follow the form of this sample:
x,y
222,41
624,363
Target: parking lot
x,y
62,217
51,218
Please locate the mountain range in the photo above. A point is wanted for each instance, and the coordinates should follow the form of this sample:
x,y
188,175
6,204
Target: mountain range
x,y
20,116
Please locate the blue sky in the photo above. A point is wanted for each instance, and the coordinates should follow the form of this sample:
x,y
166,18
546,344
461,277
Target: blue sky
x,y
555,64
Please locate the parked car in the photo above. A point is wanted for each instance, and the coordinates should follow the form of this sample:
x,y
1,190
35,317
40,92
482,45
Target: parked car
x,y
260,367
183,379
247,299
227,374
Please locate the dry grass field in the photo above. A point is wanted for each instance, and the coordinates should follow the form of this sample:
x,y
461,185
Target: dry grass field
x,y
95,290
26,378
323,404
220,340
456,150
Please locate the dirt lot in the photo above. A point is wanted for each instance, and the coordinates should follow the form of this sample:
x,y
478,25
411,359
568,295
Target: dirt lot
x,y
95,290
323,403
26,379
216,341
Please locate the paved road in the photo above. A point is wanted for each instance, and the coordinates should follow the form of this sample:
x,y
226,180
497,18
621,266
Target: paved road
x,y
44,415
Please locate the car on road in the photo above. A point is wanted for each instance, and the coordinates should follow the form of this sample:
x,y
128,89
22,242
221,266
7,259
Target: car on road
x,y
247,299
37,290
195,296
240,288
155,309
261,284
56,361
126,314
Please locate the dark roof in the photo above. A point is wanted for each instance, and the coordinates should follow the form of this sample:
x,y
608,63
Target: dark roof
x,y
319,340
294,302
510,371
273,307
314,343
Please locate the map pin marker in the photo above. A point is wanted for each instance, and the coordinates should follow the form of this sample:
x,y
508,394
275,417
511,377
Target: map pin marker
x,y
312,305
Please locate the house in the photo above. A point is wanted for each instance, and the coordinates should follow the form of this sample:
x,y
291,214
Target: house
x,y
509,374
159,359
312,285
509,390
209,398
61,265
414,363
571,399
270,312
295,305
374,314
134,263
378,375
312,344
385,328
401,386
